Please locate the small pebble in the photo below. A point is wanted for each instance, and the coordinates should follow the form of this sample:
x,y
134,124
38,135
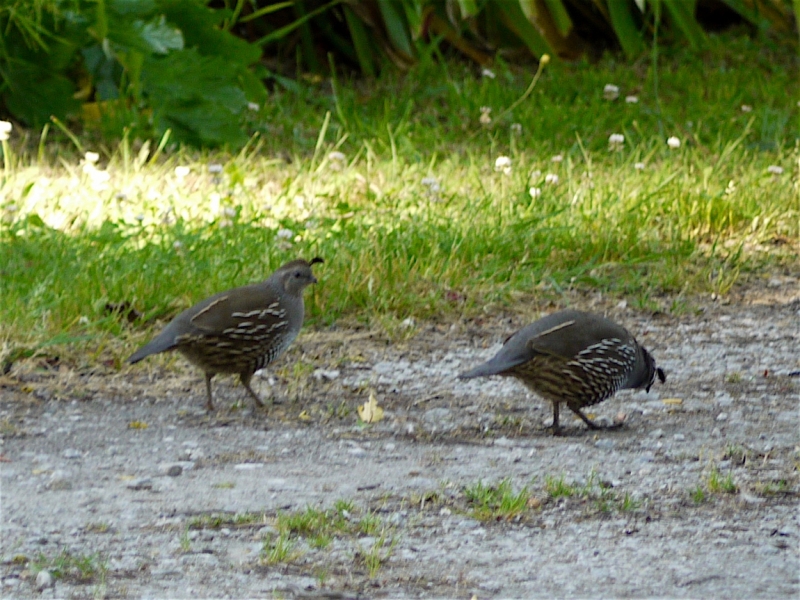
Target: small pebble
x,y
678,437
722,417
44,580
143,483
71,453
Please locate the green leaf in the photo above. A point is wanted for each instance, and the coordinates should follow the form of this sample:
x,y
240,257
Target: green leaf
x,y
396,27
361,42
560,16
160,37
519,21
33,93
469,8
132,8
624,24
199,97
199,27
682,14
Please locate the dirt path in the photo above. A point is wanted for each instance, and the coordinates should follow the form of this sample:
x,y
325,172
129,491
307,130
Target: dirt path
x,y
122,482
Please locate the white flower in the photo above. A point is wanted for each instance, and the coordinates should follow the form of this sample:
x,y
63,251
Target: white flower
x,y
229,211
488,73
639,166
253,106
139,217
535,192
486,115
611,91
774,169
632,99
215,168
503,163
91,157
557,158
673,142
746,108
536,174
432,184
615,141
181,171
551,178
5,130
336,156
516,128
285,234
177,244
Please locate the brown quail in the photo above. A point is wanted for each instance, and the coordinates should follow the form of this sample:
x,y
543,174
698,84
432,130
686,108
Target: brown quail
x,y
239,330
575,358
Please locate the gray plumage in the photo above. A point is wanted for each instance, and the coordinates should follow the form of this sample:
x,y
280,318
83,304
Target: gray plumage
x,y
573,358
239,330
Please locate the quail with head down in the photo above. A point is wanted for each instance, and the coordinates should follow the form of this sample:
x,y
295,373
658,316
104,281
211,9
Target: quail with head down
x,y
240,330
574,358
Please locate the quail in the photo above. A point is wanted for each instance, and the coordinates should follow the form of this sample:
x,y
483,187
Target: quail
x,y
240,330
575,358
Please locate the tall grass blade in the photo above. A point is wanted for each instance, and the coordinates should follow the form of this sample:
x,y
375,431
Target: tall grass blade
x,y
361,42
628,34
682,14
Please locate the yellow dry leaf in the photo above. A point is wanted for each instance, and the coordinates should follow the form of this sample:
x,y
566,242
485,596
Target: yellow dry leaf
x,y
672,401
370,412
137,425
304,416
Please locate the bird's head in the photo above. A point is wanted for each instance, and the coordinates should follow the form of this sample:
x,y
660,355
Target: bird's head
x,y
295,276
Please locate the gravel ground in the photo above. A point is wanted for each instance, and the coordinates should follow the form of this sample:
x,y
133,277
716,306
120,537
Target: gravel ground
x,y
122,472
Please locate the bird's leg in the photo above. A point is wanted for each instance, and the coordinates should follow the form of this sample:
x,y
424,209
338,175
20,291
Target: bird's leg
x,y
209,401
583,417
556,427
245,378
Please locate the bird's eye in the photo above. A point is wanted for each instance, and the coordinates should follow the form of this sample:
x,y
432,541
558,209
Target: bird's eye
x,y
298,274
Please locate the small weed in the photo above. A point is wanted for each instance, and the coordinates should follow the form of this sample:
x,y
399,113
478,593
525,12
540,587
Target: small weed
x,y
557,487
628,503
99,527
185,541
279,550
321,575
736,453
779,486
431,497
496,502
376,556
369,524
733,377
698,495
217,520
605,500
338,411
80,568
224,485
718,484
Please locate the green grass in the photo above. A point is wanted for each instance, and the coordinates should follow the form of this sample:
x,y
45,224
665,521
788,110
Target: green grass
x,y
717,483
78,568
557,487
496,502
219,520
416,221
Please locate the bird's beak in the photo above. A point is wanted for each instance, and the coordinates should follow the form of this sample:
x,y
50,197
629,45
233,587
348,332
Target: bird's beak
x,y
313,279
